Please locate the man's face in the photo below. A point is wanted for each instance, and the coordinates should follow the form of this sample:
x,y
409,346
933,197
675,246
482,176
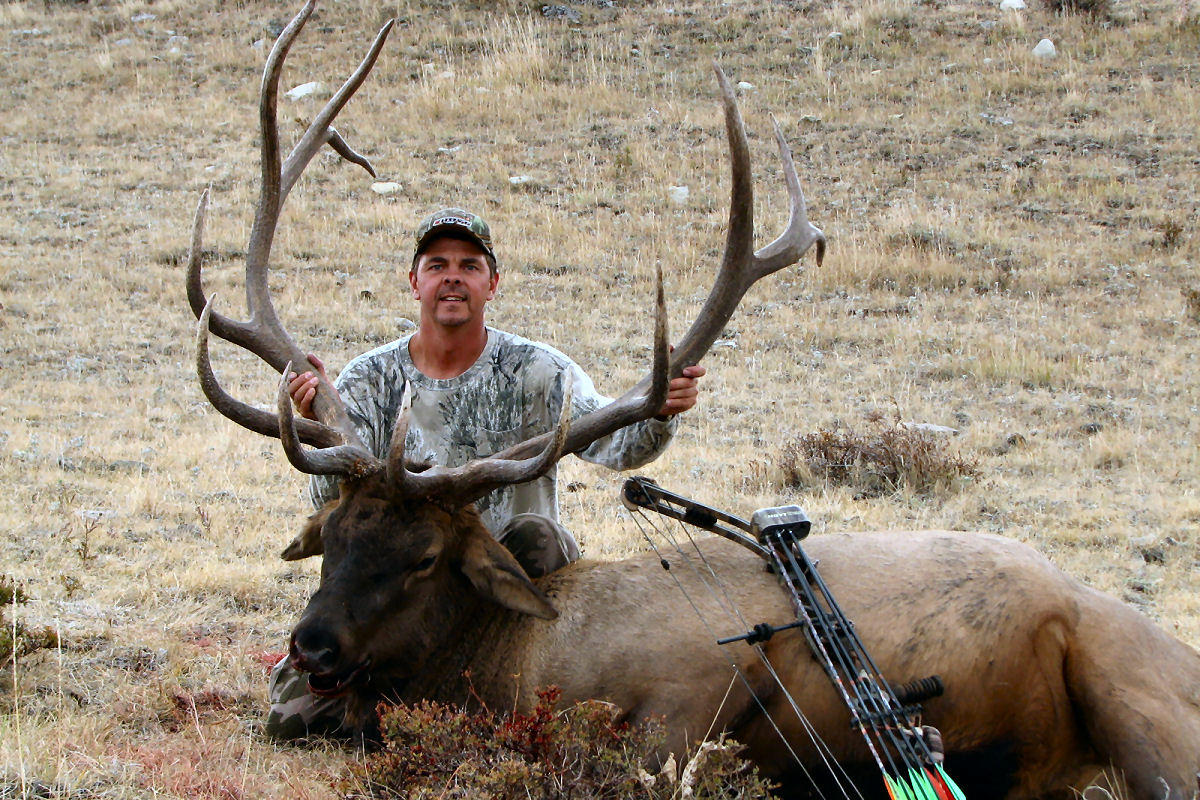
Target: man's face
x,y
452,282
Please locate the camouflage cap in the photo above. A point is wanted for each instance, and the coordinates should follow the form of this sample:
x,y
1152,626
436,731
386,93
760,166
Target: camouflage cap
x,y
457,223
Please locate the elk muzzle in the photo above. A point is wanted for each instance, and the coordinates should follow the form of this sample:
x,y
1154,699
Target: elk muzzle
x,y
316,649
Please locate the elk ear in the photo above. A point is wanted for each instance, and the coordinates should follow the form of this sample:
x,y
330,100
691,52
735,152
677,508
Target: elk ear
x,y
496,575
308,541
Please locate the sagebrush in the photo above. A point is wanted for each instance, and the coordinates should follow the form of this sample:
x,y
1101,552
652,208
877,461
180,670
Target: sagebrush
x,y
885,457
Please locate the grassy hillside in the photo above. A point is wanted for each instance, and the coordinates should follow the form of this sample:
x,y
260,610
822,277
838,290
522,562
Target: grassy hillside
x,y
1013,254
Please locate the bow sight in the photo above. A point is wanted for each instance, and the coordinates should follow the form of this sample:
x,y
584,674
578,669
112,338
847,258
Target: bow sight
x,y
908,754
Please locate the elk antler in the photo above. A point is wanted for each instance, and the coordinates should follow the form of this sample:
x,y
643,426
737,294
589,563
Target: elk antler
x,y
341,451
263,334
443,484
740,267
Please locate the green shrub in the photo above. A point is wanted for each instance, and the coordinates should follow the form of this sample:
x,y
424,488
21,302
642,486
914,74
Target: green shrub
x,y
1093,8
432,750
16,640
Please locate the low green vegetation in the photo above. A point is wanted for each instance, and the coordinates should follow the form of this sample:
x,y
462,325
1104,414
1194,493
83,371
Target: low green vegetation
x,y
584,752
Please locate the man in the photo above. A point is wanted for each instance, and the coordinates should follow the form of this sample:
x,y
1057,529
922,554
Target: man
x,y
475,391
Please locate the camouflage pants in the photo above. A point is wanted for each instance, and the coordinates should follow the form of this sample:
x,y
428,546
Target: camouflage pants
x,y
540,546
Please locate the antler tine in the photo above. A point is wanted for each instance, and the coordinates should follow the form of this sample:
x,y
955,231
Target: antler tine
x,y
255,419
740,266
277,181
396,473
800,234
350,459
320,132
454,487
629,408
248,334
263,334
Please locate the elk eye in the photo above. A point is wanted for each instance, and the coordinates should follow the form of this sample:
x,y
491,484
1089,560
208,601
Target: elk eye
x,y
425,563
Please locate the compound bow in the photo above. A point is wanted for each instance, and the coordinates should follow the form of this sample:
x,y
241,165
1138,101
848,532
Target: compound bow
x,y
908,754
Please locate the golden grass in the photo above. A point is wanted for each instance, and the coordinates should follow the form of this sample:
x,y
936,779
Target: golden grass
x,y
1031,284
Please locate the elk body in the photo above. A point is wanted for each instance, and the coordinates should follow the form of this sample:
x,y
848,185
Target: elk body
x,y
1047,682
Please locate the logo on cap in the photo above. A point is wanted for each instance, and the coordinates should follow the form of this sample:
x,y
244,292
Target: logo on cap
x,y
455,220
450,220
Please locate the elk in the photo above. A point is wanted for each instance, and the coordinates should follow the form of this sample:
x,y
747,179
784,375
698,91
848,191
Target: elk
x,y
1047,682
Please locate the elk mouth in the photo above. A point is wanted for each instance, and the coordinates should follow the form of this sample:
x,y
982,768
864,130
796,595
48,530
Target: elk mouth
x,y
334,684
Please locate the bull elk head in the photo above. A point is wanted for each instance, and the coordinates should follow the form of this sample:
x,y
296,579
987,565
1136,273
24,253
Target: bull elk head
x,y
434,503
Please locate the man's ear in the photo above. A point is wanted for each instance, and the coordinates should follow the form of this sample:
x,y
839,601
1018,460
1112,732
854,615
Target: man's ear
x,y
412,282
496,575
308,541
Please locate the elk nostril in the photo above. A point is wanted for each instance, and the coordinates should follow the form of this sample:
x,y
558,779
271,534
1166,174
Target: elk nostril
x,y
315,649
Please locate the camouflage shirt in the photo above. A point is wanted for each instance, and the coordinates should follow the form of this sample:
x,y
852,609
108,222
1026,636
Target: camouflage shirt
x,y
510,394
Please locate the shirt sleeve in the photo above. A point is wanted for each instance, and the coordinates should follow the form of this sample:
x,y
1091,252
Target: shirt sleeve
x,y
371,390
628,448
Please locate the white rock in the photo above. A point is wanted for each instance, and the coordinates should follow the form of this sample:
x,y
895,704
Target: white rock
x,y
144,17
1045,49
385,187
1012,5
259,44
303,90
176,42
95,513
517,180
678,194
929,427
745,86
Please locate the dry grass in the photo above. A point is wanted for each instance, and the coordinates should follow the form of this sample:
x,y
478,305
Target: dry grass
x,y
885,458
1013,254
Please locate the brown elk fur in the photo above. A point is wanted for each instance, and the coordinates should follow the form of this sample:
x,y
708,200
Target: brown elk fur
x,y
1047,680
